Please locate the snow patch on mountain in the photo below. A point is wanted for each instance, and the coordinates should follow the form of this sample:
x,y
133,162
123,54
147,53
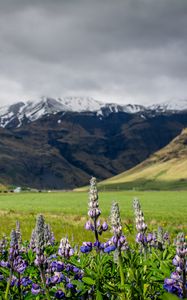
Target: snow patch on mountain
x,y
170,106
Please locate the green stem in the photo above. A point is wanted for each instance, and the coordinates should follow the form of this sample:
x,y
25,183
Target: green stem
x,y
120,263
184,281
44,284
19,287
95,231
8,286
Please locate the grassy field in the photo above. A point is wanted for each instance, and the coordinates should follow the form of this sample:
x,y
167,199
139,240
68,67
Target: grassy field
x,y
67,212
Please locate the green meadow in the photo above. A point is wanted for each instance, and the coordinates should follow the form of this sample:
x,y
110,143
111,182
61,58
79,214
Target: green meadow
x,y
67,211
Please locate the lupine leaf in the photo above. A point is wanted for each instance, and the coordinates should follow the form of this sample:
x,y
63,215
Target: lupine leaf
x,y
99,295
88,280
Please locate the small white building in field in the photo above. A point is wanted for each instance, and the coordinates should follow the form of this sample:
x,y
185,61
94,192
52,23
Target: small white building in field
x,y
17,190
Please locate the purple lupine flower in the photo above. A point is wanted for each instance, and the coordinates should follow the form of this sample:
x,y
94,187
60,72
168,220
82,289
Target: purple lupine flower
x,y
171,286
176,284
89,225
35,289
19,265
86,247
151,240
57,278
57,266
40,259
59,294
4,264
69,286
109,248
104,226
75,269
65,250
14,281
25,281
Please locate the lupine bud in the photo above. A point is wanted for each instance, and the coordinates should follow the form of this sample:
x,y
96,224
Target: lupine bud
x,y
48,235
3,244
93,204
32,240
65,249
39,233
115,219
18,232
104,226
89,225
13,238
59,294
35,290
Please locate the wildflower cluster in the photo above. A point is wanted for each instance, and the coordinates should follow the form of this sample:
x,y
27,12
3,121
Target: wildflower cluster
x,y
45,269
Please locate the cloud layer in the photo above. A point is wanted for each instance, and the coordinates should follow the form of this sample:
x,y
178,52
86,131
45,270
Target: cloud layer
x,y
122,51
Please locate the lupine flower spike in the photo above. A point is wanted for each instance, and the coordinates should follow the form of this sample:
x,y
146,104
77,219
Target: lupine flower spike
x,y
40,243
177,283
141,226
65,249
93,224
117,242
18,232
15,262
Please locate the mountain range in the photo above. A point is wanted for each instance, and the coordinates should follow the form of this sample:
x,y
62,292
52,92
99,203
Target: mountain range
x,y
60,143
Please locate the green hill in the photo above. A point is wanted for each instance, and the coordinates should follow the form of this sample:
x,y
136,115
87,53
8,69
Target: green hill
x,y
166,169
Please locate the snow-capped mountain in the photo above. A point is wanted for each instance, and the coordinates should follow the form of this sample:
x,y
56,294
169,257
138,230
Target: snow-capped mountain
x,y
19,113
16,114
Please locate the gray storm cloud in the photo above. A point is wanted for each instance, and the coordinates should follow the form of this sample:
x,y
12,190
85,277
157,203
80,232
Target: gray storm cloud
x,y
123,50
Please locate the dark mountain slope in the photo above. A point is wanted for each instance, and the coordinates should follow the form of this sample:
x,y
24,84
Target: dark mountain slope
x,y
65,149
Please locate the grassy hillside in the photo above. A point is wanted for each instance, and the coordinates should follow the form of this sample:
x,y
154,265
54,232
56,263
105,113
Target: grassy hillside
x,y
166,169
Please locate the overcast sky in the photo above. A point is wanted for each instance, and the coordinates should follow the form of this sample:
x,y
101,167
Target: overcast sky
x,y
112,50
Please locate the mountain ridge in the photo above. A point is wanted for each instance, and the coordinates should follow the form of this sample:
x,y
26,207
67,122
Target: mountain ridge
x,y
16,115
